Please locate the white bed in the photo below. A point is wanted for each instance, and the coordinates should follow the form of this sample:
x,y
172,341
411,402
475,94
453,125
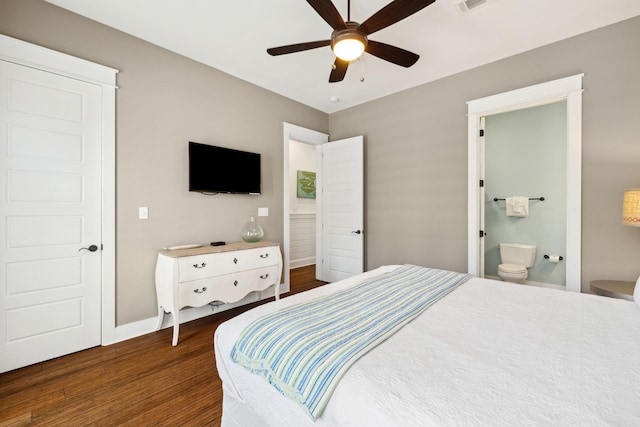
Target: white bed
x,y
488,354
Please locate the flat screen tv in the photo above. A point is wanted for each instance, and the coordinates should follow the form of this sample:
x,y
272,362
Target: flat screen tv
x,y
223,170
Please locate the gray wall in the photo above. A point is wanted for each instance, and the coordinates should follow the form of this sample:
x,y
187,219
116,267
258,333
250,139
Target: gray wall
x,y
526,155
165,100
416,153
415,147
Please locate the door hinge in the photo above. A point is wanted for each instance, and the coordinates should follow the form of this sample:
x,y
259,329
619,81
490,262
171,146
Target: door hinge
x,y
481,132
482,233
482,183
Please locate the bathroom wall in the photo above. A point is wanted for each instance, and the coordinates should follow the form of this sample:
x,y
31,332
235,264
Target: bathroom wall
x,y
525,155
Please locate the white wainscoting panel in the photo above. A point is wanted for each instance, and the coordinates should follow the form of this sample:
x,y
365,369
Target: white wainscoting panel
x,y
302,239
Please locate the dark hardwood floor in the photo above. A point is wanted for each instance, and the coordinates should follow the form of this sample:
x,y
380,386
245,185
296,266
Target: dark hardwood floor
x,y
140,382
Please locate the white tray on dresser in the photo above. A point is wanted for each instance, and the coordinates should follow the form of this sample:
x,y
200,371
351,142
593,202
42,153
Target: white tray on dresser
x,y
197,276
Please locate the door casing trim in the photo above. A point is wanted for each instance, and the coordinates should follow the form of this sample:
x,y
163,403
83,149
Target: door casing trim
x,y
568,89
308,136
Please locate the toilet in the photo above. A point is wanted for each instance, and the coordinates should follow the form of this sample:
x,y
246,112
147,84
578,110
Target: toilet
x,y
516,258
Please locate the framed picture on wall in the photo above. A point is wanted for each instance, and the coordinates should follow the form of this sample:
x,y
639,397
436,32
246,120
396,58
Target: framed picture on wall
x,y
306,184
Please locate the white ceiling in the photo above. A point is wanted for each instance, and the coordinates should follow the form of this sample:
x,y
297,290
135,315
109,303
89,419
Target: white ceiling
x,y
233,36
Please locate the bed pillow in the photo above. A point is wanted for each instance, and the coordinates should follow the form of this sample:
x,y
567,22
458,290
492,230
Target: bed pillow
x,y
636,293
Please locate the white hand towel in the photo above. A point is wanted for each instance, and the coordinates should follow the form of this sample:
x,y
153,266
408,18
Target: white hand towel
x,y
517,206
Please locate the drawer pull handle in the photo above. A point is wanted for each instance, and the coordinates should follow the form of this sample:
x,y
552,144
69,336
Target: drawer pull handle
x,y
235,283
264,256
200,266
200,291
264,276
235,260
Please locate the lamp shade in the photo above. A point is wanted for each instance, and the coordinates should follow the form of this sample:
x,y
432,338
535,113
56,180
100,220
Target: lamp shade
x,y
348,49
348,43
631,207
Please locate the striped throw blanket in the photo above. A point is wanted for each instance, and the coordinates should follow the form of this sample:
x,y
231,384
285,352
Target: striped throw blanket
x,y
304,350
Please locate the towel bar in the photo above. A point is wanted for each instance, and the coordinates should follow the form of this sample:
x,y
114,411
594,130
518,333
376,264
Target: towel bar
x,y
495,199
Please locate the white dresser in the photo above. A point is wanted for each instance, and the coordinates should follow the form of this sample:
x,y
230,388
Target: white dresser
x,y
199,276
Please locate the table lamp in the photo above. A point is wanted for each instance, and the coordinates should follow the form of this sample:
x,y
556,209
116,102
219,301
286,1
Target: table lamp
x,y
631,207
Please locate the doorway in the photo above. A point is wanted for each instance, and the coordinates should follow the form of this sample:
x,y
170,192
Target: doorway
x,y
302,138
302,204
525,154
339,206
568,90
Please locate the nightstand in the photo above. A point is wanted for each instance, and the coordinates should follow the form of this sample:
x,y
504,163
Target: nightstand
x,y
613,288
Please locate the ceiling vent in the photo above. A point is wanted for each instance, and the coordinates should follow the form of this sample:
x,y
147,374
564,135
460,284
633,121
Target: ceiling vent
x,y
466,6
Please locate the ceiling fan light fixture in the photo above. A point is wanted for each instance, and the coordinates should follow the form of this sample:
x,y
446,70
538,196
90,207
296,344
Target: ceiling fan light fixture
x,y
348,49
349,38
348,44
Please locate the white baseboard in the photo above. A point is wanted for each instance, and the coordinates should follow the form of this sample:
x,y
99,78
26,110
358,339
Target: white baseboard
x,y
147,326
302,262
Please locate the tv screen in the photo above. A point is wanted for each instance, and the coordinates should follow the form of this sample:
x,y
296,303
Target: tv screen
x,y
223,170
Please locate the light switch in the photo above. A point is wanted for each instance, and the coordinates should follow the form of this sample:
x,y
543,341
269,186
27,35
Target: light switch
x,y
263,211
143,213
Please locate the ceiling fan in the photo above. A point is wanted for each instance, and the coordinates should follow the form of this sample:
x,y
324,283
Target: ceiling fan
x,y
350,39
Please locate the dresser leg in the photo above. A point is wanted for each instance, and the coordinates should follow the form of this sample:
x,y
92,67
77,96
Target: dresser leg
x,y
176,329
277,289
160,317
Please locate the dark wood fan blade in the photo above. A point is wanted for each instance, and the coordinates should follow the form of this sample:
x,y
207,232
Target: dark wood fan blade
x,y
392,54
328,12
393,12
299,47
338,71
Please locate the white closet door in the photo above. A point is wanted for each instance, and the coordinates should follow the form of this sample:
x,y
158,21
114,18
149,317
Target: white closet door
x,y
50,208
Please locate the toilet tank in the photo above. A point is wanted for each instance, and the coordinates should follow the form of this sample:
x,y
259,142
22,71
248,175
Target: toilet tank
x,y
518,253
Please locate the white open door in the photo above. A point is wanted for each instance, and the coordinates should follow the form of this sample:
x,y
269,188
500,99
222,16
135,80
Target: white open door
x,y
340,207
50,210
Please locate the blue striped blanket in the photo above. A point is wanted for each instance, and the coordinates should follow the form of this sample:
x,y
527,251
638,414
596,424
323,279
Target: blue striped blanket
x,y
304,350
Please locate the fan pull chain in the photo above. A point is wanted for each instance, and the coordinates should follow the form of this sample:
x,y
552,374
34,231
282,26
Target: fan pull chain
x,y
361,59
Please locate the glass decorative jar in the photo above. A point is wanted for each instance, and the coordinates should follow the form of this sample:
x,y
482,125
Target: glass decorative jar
x,y
251,231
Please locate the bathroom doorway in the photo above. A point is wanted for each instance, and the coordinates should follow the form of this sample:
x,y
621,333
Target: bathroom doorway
x,y
563,94
525,154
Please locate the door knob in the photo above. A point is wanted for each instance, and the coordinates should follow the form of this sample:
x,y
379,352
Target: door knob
x,y
91,248
357,232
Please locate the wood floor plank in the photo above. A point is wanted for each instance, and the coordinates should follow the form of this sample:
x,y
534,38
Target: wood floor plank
x,y
53,370
183,409
19,420
36,398
142,381
18,413
99,402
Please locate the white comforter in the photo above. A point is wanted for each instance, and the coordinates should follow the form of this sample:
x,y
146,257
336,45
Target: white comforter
x,y
489,354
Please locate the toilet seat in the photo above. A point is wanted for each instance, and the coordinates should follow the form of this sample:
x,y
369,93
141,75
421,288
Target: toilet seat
x,y
512,268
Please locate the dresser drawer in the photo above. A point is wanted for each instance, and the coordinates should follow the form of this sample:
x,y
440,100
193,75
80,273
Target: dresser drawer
x,y
196,293
202,266
228,288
